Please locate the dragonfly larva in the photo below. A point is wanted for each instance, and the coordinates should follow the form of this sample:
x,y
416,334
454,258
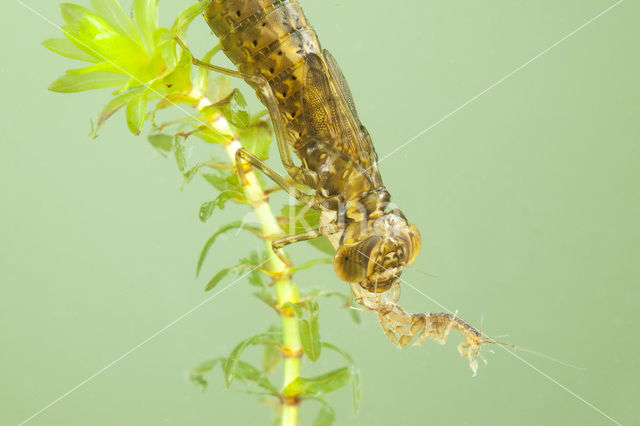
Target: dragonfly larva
x,y
278,53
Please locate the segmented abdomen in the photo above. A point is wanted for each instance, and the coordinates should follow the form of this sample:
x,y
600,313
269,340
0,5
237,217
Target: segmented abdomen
x,y
270,38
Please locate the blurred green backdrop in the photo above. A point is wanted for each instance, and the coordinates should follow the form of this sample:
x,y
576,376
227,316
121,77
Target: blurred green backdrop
x,y
528,201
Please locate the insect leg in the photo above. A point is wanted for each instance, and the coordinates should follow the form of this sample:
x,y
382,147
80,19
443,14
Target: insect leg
x,y
278,244
270,101
243,154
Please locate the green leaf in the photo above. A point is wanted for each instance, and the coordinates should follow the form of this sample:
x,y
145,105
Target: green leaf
x,y
103,66
355,315
71,82
136,114
220,88
179,151
254,260
310,331
112,12
166,45
96,37
257,138
326,415
354,373
207,208
309,264
300,217
202,73
116,103
267,338
72,13
161,142
255,278
271,358
319,385
322,243
234,109
189,174
179,80
218,277
266,296
145,13
213,135
196,375
247,372
222,181
185,17
212,239
64,47
277,415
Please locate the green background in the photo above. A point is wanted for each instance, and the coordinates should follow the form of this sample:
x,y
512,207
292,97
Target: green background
x,y
528,201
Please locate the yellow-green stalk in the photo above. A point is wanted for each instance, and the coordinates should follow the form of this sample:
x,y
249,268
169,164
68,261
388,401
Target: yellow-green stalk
x,y
286,290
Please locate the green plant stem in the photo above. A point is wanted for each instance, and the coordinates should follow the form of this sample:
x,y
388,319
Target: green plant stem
x,y
286,290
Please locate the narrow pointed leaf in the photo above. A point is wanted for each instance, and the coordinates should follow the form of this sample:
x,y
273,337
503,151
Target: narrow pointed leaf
x,y
326,415
179,151
266,296
322,243
247,372
222,181
310,338
319,385
114,14
355,315
162,143
145,12
187,15
179,80
116,103
217,278
212,135
212,239
64,47
70,82
72,13
191,173
311,263
354,373
310,332
136,114
234,109
97,37
299,217
257,139
271,358
267,338
219,87
200,82
196,375
255,260
166,44
104,66
207,208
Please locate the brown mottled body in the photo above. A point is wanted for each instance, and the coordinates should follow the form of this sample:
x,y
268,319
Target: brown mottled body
x,y
273,45
274,40
270,38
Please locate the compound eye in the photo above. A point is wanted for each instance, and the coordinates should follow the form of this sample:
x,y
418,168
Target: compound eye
x,y
416,242
353,263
